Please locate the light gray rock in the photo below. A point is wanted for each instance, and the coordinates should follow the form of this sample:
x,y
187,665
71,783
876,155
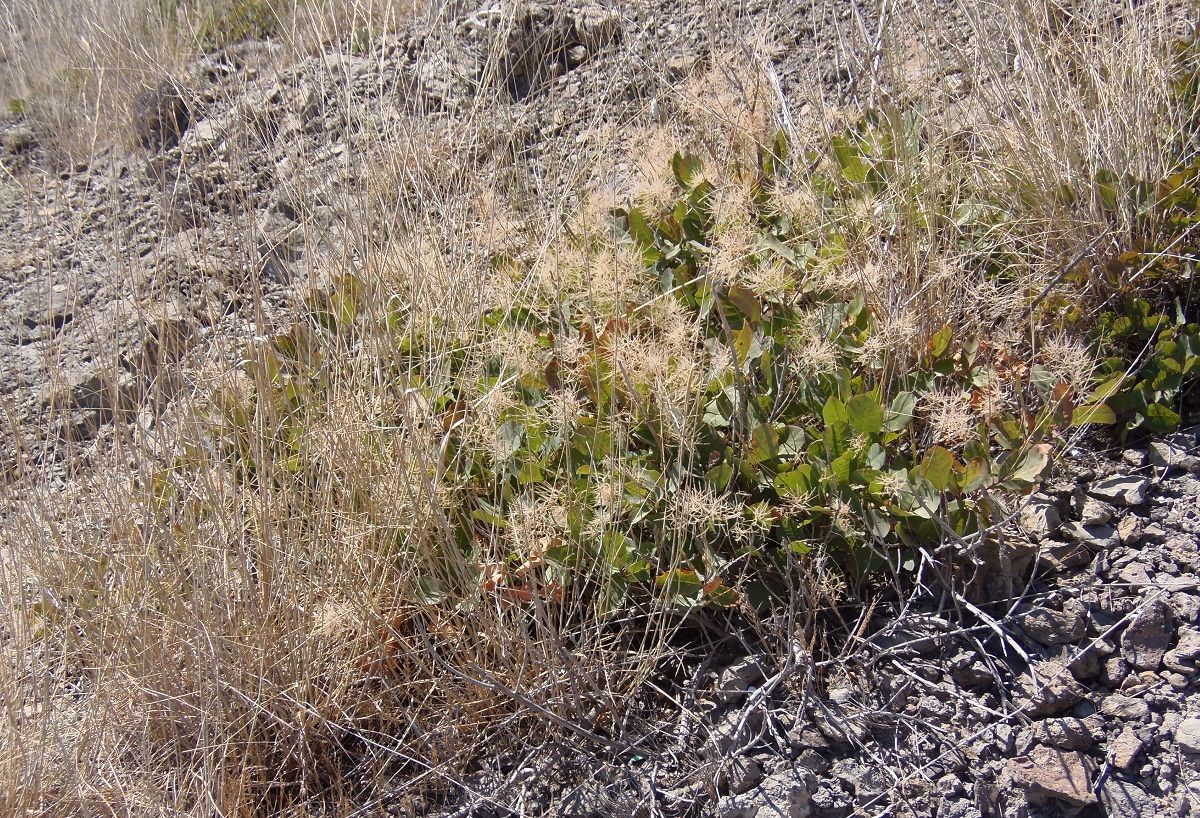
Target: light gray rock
x,y
589,800
1096,536
959,808
1125,749
1124,707
783,795
741,775
1134,457
1136,576
1167,455
1183,658
1050,689
1063,556
1185,606
1096,512
1148,637
1123,799
726,737
735,681
1120,489
1113,672
44,309
1130,529
1061,775
1039,518
597,26
1063,734
1187,735
1052,627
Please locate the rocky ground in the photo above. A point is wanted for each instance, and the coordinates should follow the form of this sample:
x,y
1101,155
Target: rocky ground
x,y
251,174
1063,684
1066,686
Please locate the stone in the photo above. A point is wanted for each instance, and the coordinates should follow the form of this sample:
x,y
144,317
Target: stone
x,y
959,808
1124,707
828,801
782,795
1154,531
169,336
1177,680
1096,536
1148,636
1039,518
589,800
1122,490
101,389
1051,627
1084,664
950,786
1003,738
1049,773
864,780
735,681
1183,550
969,671
19,139
161,116
725,736
812,761
1125,748
1187,735
1186,607
1063,734
1124,799
1186,583
597,26
741,775
1186,653
1060,556
1135,457
1130,529
1136,576
1096,512
1049,689
1113,671
1167,455
44,310
909,636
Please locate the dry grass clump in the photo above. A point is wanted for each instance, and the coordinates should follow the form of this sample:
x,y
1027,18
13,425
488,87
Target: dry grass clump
x,y
339,580
84,70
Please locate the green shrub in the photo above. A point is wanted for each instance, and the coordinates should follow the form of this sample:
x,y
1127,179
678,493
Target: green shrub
x,y
237,21
717,493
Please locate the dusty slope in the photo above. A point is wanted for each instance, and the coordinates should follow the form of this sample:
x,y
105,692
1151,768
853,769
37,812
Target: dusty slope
x,y
267,181
126,279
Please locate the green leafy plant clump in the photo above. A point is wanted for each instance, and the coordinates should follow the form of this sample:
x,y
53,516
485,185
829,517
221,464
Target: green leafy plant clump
x,y
237,21
718,498
703,434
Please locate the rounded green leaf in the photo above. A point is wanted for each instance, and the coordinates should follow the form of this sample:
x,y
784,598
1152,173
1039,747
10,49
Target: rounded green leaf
x,y
866,414
834,413
1032,465
1095,413
938,468
1160,419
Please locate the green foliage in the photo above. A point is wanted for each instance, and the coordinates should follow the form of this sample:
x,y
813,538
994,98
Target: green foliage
x,y
235,21
796,460
18,107
1153,366
718,497
362,41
